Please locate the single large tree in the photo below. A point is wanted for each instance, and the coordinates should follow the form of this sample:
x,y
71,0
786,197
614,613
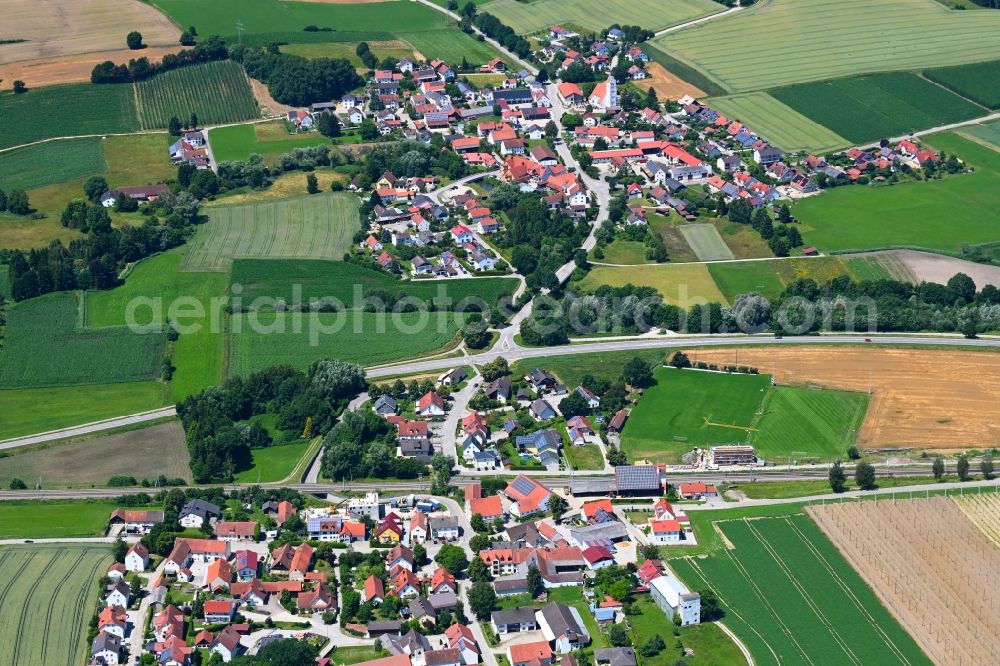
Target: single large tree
x,y
838,479
864,476
134,40
482,599
937,467
962,468
95,187
638,373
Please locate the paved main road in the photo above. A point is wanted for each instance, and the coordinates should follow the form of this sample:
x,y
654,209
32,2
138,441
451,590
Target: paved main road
x,y
509,349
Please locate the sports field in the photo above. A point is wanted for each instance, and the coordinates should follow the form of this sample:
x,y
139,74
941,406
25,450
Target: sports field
x,y
920,398
142,453
45,346
679,284
367,338
979,81
910,214
70,110
778,123
47,594
868,108
350,284
27,411
49,163
237,142
800,38
595,15
318,226
217,91
706,242
198,354
803,422
670,417
792,599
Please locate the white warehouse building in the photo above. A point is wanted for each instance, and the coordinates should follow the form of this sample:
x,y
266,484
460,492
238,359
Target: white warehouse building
x,y
673,597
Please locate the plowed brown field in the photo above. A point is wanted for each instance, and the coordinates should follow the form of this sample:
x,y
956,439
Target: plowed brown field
x,y
667,84
73,68
920,398
929,566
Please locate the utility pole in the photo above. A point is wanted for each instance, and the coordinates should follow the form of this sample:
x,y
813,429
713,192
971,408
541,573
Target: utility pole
x,y
239,31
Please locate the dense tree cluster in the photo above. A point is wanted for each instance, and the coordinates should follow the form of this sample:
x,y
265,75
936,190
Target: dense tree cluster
x,y
492,27
408,159
363,444
137,69
541,240
296,80
219,438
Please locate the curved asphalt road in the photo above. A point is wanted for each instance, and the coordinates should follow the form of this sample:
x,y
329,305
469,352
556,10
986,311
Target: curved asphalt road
x,y
509,349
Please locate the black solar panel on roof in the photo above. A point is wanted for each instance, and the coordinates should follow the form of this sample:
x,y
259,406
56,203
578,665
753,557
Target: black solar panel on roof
x,y
633,477
523,485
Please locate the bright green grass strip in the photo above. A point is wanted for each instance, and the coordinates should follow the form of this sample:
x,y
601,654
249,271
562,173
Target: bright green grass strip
x,y
69,110
273,463
28,411
53,519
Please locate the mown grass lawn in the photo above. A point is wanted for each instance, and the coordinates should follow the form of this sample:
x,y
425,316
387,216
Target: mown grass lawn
x,y
584,457
273,463
709,644
50,519
570,369
237,142
670,417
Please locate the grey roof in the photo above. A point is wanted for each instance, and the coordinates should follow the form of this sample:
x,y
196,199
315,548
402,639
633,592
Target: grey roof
x,y
619,656
562,623
384,626
598,533
591,486
105,641
443,600
526,532
637,477
405,644
540,407
511,584
443,522
512,616
201,508
421,607
385,402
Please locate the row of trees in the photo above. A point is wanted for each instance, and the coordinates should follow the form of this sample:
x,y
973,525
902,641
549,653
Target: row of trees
x,y
220,441
137,69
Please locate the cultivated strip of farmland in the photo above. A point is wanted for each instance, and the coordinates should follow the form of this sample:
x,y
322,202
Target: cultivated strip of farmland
x,y
808,40
984,512
929,565
218,92
793,600
46,595
311,227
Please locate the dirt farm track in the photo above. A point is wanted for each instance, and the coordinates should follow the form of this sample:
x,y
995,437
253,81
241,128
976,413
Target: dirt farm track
x,y
920,398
